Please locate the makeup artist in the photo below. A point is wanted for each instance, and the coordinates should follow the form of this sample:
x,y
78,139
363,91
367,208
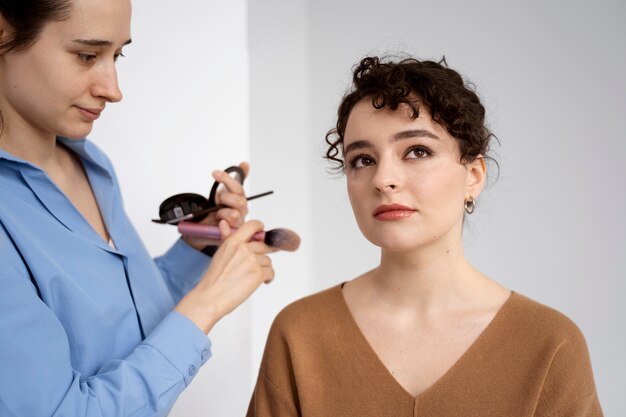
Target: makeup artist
x,y
90,325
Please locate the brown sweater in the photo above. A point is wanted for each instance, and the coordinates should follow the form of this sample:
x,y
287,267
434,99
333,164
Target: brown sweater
x,y
530,361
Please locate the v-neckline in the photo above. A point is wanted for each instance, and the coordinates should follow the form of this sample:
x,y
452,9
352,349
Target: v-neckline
x,y
474,346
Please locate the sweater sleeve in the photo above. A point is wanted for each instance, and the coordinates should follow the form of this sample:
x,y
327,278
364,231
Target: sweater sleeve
x,y
569,389
275,393
269,401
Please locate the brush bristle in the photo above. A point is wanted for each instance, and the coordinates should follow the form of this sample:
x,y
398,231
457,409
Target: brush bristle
x,y
283,239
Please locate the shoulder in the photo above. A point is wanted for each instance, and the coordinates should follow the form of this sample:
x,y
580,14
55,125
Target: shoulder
x,y
536,330
537,319
567,375
311,311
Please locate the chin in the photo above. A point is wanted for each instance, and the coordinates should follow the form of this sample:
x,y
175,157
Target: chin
x,y
395,243
76,133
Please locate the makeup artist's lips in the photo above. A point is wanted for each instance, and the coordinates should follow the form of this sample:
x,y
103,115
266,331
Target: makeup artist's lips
x,y
89,114
392,212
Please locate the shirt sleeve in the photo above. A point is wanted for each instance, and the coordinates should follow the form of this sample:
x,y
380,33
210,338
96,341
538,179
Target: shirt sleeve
x,y
38,379
181,267
569,388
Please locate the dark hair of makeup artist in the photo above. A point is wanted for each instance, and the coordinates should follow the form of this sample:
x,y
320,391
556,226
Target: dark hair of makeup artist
x,y
451,101
26,19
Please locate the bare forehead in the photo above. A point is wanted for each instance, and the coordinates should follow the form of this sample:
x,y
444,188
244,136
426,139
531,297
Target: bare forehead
x,y
107,19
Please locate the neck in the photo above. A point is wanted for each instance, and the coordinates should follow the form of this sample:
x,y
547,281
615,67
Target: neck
x,y
36,147
427,279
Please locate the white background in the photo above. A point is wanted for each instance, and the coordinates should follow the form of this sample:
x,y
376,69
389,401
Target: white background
x,y
208,84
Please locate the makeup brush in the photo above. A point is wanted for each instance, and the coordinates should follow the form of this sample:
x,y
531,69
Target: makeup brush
x,y
283,239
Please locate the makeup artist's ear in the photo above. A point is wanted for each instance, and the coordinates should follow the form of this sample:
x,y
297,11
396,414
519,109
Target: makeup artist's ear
x,y
476,176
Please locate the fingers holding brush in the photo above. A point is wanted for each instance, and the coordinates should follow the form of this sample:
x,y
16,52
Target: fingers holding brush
x,y
238,268
279,239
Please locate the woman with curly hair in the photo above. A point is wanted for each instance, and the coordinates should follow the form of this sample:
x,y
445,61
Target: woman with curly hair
x,y
424,333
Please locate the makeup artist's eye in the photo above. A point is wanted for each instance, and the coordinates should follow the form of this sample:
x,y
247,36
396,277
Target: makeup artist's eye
x,y
118,55
361,161
418,152
87,58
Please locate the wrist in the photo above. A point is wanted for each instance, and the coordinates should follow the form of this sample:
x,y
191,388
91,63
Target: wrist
x,y
203,312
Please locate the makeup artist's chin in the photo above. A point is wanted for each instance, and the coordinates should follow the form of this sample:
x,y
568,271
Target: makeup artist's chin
x,y
78,130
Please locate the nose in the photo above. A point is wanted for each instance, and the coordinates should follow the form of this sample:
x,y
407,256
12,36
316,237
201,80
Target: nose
x,y
106,85
387,178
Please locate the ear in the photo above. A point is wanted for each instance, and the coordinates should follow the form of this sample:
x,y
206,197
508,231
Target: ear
x,y
476,177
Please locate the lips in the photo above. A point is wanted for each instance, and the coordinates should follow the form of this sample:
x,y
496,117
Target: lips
x,y
392,212
90,114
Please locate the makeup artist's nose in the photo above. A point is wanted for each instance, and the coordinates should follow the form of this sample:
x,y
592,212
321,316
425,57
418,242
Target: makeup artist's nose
x,y
106,86
386,178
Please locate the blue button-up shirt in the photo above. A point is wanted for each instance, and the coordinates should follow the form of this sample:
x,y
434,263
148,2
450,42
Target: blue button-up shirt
x,y
87,329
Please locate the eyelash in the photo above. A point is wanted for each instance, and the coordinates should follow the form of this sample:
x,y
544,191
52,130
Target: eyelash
x,y
352,163
88,58
354,160
427,152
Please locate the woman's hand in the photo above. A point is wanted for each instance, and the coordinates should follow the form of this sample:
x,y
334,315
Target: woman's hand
x,y
238,268
231,195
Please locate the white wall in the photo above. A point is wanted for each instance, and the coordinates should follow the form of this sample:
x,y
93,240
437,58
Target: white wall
x,y
282,150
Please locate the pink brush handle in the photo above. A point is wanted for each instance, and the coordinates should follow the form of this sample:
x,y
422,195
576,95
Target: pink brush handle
x,y
208,232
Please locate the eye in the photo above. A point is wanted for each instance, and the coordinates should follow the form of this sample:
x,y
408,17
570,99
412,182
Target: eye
x,y
118,55
361,161
418,152
87,58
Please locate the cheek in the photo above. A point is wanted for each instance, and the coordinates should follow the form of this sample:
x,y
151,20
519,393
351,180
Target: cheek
x,y
445,187
41,80
357,192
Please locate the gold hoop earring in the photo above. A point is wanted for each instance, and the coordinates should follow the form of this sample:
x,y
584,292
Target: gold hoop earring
x,y
470,205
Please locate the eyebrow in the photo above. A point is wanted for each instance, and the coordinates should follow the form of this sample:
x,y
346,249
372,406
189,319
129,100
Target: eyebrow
x,y
405,134
417,133
98,42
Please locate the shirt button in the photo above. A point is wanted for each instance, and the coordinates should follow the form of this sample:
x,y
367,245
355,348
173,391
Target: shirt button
x,y
192,370
205,354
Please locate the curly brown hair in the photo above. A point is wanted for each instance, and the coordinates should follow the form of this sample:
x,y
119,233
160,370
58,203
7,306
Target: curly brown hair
x,y
451,101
